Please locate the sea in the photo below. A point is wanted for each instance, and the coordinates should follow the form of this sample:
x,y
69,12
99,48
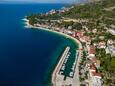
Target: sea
x,y
28,56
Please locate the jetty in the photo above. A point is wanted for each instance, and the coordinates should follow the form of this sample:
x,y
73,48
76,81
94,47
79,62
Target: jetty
x,y
59,65
64,75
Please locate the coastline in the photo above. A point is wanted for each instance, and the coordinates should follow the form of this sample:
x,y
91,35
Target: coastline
x,y
73,30
45,29
61,34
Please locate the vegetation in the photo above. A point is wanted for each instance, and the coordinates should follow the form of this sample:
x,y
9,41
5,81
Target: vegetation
x,y
113,64
107,66
98,15
98,12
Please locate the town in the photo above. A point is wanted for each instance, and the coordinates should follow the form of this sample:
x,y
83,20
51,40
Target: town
x,y
96,33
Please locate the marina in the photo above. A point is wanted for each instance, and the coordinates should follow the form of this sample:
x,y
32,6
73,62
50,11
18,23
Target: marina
x,y
66,68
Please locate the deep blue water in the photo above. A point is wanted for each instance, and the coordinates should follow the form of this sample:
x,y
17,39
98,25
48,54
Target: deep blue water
x,y
26,55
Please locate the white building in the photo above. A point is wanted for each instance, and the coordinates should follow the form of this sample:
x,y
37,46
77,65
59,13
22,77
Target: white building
x,y
110,49
112,31
95,81
95,78
102,45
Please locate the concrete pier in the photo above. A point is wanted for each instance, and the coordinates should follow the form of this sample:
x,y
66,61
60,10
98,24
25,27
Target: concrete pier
x,y
56,74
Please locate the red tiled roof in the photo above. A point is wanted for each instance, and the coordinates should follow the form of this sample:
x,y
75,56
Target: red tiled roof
x,y
92,50
96,74
79,34
92,67
94,60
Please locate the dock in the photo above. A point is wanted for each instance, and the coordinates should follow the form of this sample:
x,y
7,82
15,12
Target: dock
x,y
61,76
57,71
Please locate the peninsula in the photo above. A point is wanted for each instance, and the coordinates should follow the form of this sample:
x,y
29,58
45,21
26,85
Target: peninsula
x,y
92,26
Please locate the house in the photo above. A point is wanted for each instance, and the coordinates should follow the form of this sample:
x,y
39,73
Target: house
x,y
110,42
68,32
92,68
69,27
61,11
79,34
74,34
95,78
101,45
85,28
94,30
112,31
52,11
96,62
110,49
91,51
88,63
86,39
98,75
101,37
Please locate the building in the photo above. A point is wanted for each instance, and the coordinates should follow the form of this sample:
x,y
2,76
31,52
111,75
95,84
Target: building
x,y
96,62
112,31
52,11
92,68
94,30
94,77
79,34
109,42
86,39
91,51
101,45
110,49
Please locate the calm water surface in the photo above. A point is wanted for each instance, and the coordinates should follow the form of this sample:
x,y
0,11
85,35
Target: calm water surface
x,y
27,55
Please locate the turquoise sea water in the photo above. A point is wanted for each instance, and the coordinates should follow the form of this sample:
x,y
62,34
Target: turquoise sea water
x,y
27,56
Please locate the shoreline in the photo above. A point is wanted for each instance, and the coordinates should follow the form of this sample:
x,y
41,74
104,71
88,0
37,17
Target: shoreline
x,y
46,29
77,42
